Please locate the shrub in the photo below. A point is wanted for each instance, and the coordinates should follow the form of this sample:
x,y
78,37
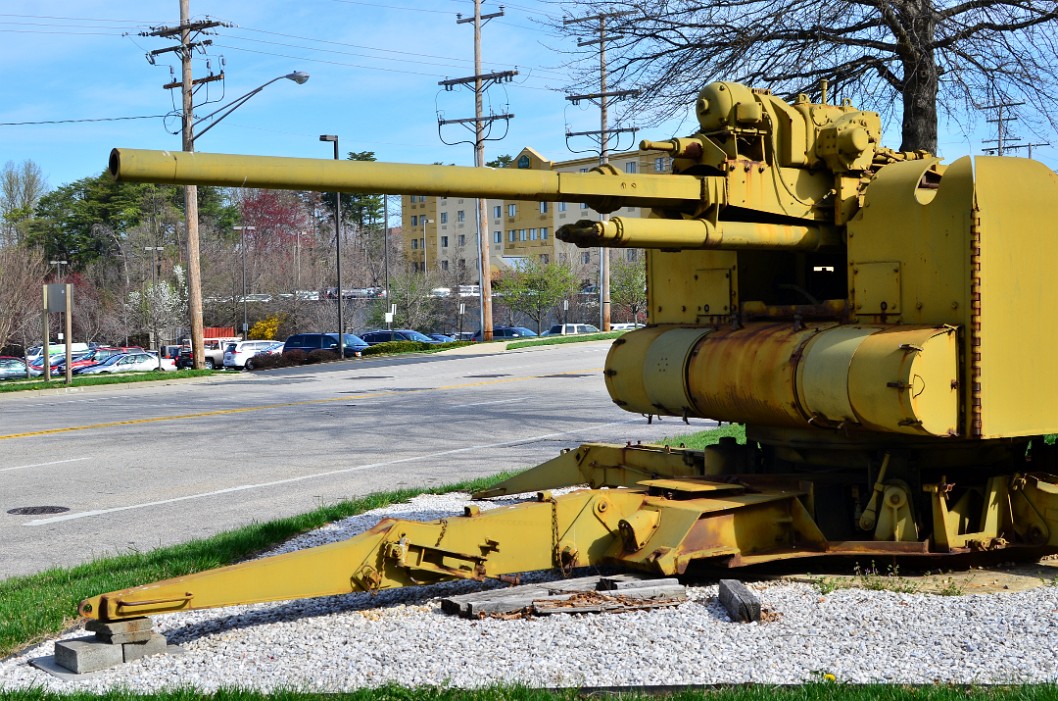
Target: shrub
x,y
266,361
321,356
398,347
295,357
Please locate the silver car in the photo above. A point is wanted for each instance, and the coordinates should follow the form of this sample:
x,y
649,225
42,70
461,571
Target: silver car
x,y
128,362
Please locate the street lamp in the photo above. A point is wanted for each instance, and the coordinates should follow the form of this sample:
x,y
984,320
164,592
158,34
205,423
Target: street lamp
x,y
297,76
58,267
333,138
154,251
242,248
194,272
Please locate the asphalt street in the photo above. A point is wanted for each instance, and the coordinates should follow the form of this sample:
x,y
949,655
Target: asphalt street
x,y
144,465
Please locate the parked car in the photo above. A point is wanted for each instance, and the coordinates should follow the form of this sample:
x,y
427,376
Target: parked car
x,y
443,338
139,361
501,332
309,342
237,353
625,327
570,329
375,337
98,355
275,349
15,368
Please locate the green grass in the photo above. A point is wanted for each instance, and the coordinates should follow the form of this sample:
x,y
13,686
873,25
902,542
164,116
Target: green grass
x,y
38,606
556,340
821,691
89,380
701,439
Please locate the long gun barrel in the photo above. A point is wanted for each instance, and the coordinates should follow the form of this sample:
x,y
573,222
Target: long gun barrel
x,y
605,190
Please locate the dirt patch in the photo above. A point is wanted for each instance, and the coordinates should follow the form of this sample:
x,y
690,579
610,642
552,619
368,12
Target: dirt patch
x,y
978,580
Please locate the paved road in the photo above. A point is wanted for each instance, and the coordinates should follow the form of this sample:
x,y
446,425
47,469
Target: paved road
x,y
141,466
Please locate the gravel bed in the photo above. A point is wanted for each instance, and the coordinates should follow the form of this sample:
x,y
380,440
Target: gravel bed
x,y
401,636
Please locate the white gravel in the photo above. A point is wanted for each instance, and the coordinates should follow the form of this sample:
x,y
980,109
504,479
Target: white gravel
x,y
357,640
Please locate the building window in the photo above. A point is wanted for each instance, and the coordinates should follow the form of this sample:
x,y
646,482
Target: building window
x,y
562,206
462,264
532,234
422,244
631,167
444,217
543,207
631,256
511,234
414,220
444,242
497,211
444,265
585,257
584,170
461,216
512,210
462,239
544,258
521,235
543,233
659,164
497,237
415,244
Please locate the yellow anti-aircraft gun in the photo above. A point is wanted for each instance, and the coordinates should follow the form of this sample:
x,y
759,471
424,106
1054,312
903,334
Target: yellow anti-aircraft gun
x,y
880,322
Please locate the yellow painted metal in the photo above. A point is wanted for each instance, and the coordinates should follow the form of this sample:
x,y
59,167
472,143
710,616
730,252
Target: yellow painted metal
x,y
1016,232
894,379
603,465
618,189
678,234
395,554
843,300
990,513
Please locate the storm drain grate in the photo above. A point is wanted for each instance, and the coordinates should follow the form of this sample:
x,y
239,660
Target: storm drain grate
x,y
37,510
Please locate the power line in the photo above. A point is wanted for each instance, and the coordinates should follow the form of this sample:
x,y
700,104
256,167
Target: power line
x,y
80,121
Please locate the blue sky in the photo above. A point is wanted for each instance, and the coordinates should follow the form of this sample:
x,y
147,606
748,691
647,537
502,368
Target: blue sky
x,y
374,68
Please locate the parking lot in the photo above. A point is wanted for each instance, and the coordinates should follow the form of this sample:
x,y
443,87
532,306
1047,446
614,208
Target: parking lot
x,y
139,466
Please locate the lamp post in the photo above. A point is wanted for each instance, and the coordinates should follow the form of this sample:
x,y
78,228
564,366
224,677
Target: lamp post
x,y
194,271
58,267
333,138
154,251
46,349
242,247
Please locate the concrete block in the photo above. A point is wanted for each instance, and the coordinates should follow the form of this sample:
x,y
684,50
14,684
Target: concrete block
x,y
130,625
122,638
741,604
84,655
153,646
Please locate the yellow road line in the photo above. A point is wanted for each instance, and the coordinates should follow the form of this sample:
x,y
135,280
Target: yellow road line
x,y
265,407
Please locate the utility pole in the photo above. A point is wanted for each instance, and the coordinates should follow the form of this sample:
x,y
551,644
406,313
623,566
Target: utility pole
x,y
186,85
602,136
481,123
1001,133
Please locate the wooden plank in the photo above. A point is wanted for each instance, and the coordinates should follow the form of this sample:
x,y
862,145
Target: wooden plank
x,y
631,584
741,604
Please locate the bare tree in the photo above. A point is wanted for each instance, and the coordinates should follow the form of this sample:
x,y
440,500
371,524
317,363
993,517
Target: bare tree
x,y
21,187
919,56
21,301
